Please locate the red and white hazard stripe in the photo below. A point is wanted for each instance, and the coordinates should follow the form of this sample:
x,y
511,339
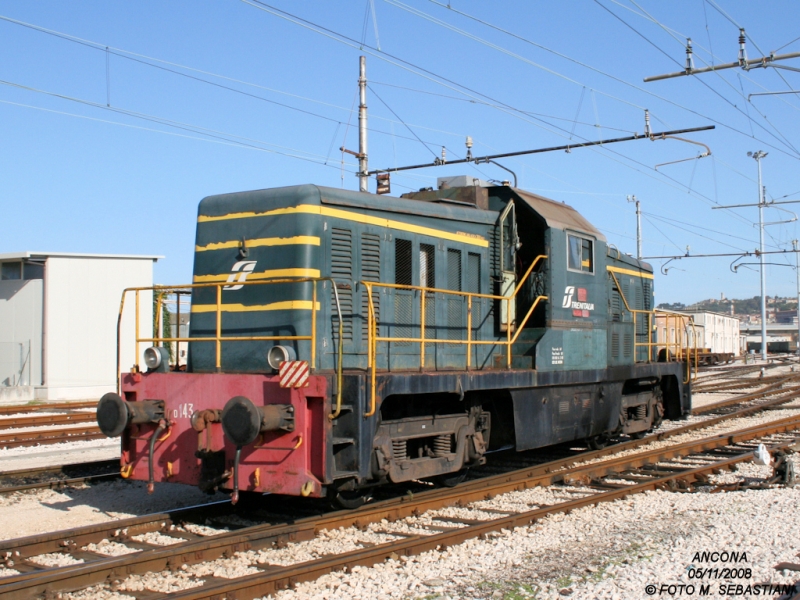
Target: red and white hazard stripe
x,y
294,374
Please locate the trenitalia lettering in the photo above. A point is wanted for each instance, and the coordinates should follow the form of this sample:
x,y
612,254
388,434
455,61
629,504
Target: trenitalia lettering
x,y
583,305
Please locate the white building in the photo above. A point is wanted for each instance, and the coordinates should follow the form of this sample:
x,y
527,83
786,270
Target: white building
x,y
717,331
58,322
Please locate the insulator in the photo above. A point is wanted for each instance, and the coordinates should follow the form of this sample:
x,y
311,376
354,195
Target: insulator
x,y
399,451
442,445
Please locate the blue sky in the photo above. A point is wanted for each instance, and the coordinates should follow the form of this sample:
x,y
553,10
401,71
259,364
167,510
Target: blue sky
x,y
104,152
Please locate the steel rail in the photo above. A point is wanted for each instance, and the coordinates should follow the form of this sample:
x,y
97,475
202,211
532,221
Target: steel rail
x,y
732,385
20,548
53,542
712,373
109,468
80,576
276,578
795,390
50,436
47,420
28,408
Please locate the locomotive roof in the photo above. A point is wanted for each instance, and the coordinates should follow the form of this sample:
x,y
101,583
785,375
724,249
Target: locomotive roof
x,y
253,203
558,215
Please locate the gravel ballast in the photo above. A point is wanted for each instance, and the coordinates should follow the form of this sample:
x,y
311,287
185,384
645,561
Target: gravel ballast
x,y
612,551
40,511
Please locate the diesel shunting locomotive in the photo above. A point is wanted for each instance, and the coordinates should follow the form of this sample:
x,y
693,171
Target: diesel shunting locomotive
x,y
340,340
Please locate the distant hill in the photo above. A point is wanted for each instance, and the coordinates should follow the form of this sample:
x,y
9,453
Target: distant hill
x,y
740,307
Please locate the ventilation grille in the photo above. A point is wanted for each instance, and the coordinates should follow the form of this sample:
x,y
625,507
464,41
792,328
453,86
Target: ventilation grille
x,y
615,345
641,319
370,271
474,287
403,300
628,345
427,265
427,278
454,304
402,262
342,273
616,306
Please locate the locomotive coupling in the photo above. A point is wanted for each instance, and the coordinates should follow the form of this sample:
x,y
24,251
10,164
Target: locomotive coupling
x,y
114,414
242,420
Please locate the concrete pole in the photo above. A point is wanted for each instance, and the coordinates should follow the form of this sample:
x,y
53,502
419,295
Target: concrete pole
x,y
363,178
638,231
638,226
797,277
758,156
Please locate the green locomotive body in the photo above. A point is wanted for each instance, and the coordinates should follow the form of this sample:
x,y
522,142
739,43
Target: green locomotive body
x,y
434,328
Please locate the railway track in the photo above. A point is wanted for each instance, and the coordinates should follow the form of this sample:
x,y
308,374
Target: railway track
x,y
14,439
47,428
714,373
190,548
47,420
728,386
586,480
58,476
45,407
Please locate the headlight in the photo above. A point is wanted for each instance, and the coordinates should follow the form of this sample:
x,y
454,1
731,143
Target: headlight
x,y
279,354
157,359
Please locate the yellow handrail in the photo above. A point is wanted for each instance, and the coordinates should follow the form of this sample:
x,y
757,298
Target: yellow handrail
x,y
218,338
373,338
685,320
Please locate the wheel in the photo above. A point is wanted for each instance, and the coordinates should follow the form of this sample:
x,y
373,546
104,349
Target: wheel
x,y
451,479
638,435
658,411
349,499
597,442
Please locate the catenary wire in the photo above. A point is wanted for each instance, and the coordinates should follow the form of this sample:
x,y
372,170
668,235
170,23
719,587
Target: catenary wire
x,y
605,74
470,101
717,73
443,81
211,133
220,140
127,54
382,101
701,81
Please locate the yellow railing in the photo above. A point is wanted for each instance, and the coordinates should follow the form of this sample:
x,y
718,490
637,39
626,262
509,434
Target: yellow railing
x,y
678,348
218,339
372,326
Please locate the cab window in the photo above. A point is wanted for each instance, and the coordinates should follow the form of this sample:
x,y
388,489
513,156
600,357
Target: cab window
x,y
580,254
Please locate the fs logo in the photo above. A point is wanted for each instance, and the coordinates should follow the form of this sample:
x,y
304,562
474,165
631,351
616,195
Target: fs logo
x,y
580,307
239,273
568,293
